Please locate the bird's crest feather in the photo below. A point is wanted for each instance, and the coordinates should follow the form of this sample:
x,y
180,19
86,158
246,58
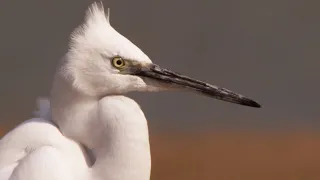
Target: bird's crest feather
x,y
96,12
95,25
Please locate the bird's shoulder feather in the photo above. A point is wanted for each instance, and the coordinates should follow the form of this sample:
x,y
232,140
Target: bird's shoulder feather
x,y
36,146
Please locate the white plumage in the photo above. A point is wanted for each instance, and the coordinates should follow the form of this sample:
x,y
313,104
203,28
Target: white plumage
x,y
89,130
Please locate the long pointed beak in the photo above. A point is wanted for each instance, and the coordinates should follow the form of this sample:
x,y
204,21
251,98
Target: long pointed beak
x,y
155,72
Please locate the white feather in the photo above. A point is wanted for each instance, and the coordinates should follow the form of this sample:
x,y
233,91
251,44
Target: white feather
x,y
86,131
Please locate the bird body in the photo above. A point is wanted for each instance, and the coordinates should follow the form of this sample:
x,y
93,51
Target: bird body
x,y
37,149
89,130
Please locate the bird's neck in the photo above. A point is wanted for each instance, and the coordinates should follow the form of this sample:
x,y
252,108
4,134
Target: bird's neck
x,y
123,149
114,128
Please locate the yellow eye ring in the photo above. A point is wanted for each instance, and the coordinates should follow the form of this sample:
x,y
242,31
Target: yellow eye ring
x,y
118,62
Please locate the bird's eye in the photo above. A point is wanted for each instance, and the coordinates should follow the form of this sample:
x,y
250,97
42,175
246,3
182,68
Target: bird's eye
x,y
118,62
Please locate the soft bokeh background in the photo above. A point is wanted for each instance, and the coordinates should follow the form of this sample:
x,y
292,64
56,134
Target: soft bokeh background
x,y
268,50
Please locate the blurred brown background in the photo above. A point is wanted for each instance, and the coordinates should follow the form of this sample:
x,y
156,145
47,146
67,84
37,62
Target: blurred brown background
x,y
268,50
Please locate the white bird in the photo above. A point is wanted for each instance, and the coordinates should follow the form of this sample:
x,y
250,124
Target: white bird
x,y
89,130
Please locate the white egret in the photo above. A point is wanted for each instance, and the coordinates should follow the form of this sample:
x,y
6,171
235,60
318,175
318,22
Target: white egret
x,y
89,130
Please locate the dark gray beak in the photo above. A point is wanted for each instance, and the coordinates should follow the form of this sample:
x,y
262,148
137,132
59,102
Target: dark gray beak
x,y
153,71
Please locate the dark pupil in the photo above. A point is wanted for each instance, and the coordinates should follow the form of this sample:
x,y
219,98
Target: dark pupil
x,y
119,62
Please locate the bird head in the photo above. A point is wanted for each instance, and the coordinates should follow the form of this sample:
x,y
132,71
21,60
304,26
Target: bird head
x,y
101,62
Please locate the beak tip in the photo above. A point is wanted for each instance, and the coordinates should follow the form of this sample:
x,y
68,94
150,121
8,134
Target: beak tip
x,y
252,103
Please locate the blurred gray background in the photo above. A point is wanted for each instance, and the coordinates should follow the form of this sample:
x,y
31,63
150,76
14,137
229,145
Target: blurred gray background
x,y
268,50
